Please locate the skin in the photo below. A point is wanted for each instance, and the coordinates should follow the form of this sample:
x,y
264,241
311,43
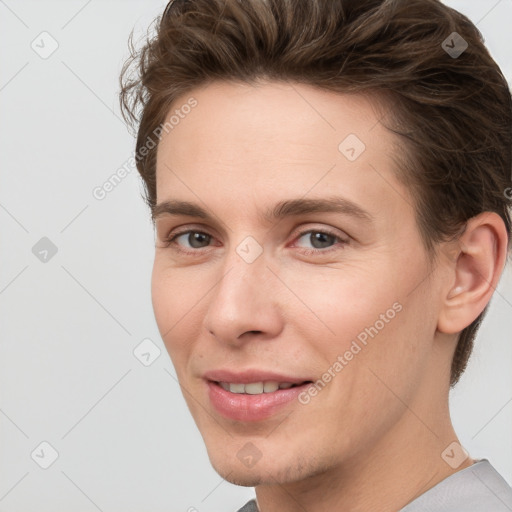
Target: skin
x,y
372,439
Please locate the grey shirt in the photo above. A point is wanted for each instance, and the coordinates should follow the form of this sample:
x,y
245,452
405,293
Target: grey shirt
x,y
477,488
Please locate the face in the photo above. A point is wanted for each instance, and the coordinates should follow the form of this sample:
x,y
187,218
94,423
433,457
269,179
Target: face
x,y
288,332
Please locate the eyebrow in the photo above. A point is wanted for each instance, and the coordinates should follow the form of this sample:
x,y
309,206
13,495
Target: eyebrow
x,y
286,208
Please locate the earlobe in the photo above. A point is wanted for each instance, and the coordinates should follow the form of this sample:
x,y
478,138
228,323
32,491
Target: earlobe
x,y
475,272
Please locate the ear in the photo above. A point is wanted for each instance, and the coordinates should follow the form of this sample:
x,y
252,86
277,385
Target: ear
x,y
479,256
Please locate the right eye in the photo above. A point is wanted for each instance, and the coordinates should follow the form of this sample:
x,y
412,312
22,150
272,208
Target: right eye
x,y
193,237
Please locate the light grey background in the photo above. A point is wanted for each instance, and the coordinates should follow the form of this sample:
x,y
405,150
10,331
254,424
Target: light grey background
x,y
68,375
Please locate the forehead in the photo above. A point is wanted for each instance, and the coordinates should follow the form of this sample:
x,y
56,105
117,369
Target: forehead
x,y
271,116
256,144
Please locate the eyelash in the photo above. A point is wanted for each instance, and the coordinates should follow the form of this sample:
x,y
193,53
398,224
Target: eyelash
x,y
171,240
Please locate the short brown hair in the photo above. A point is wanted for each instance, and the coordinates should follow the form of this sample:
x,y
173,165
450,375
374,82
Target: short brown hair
x,y
453,113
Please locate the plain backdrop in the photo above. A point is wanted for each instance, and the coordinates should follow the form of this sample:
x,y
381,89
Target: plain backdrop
x,y
75,285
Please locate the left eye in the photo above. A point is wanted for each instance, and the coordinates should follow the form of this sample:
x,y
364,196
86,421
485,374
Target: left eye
x,y
321,239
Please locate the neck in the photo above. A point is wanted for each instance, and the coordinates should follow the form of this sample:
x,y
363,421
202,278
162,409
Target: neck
x,y
403,465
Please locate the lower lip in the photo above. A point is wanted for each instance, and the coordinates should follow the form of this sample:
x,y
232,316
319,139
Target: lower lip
x,y
242,407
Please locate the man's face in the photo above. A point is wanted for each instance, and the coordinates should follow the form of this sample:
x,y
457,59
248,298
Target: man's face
x,y
331,298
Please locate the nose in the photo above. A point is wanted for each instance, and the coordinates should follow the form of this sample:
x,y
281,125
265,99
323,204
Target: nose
x,y
244,304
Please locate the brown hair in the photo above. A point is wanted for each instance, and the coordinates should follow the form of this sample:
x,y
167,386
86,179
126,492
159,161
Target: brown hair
x,y
452,112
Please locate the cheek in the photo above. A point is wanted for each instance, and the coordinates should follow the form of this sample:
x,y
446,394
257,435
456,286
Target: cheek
x,y
338,303
384,356
364,312
173,298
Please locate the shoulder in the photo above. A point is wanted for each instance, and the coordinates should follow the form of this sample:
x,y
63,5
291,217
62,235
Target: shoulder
x,y
477,488
250,506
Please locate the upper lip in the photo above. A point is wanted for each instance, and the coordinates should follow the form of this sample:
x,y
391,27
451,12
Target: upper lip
x,y
250,375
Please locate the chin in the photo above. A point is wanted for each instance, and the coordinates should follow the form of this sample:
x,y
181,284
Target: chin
x,y
237,475
244,480
269,472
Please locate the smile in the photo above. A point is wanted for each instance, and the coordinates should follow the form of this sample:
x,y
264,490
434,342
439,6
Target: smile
x,y
255,388
253,401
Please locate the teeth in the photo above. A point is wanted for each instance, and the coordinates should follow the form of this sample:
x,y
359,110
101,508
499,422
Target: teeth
x,y
237,388
270,386
255,388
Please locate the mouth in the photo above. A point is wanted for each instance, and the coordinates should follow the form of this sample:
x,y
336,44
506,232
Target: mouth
x,y
253,400
258,388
